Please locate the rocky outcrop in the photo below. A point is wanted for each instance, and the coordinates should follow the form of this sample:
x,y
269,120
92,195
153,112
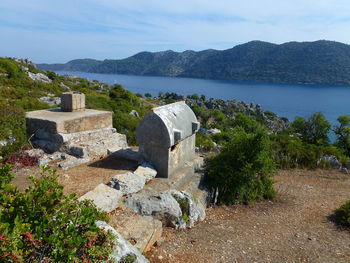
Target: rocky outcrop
x,y
141,231
123,250
231,108
39,77
174,208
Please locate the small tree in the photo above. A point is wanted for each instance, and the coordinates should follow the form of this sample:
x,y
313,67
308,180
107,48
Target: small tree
x,y
314,130
342,131
242,171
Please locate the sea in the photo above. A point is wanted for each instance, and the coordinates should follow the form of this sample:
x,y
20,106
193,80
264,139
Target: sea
x,y
286,100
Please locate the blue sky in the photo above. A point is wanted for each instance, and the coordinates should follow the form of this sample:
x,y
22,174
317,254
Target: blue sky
x,y
58,31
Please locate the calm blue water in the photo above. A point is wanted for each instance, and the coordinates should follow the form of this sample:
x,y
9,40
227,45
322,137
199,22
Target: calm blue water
x,y
287,100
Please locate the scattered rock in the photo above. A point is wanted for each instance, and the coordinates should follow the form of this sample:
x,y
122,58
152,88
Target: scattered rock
x,y
146,170
104,197
123,248
35,153
127,183
63,86
213,131
134,113
39,77
51,101
344,170
72,162
144,231
331,160
174,208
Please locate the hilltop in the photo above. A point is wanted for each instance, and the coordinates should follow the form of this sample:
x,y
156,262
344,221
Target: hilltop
x,y
319,62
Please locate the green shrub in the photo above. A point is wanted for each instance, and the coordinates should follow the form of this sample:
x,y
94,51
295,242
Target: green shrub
x,y
342,214
123,100
242,171
126,124
293,152
342,132
204,141
10,67
249,124
44,225
221,138
12,129
314,130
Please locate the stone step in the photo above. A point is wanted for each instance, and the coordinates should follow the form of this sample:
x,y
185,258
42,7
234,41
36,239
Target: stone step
x,y
141,231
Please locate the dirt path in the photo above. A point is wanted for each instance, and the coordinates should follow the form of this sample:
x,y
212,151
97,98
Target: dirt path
x,y
294,228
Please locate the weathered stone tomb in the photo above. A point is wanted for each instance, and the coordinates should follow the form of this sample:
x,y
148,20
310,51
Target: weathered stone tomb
x,y
167,137
73,129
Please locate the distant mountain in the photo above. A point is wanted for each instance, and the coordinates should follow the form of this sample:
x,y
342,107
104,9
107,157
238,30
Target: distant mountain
x,y
319,62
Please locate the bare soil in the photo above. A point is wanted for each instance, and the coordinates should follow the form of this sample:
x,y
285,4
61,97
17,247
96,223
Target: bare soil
x,y
297,227
82,178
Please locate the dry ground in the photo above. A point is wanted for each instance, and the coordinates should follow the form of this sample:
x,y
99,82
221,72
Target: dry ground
x,y
296,227
82,178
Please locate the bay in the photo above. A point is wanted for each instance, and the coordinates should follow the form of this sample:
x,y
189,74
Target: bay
x,y
287,100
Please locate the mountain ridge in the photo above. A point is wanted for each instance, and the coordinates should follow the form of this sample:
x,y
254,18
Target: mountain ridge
x,y
317,62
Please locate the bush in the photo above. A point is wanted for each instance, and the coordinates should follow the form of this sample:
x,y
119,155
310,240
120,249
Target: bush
x,y
293,152
342,214
126,124
242,171
12,129
342,132
204,141
314,130
10,67
249,124
44,225
123,100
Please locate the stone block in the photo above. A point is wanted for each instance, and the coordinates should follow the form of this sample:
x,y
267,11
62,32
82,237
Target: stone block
x,y
127,183
123,248
104,197
72,101
55,121
142,231
146,170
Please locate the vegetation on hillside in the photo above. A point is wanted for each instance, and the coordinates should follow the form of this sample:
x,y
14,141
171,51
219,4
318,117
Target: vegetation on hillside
x,y
319,62
19,93
304,143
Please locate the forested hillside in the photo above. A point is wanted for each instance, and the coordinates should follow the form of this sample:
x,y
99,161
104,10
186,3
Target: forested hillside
x,y
319,62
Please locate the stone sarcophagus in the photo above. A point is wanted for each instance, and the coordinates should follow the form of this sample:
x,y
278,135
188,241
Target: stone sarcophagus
x,y
167,137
